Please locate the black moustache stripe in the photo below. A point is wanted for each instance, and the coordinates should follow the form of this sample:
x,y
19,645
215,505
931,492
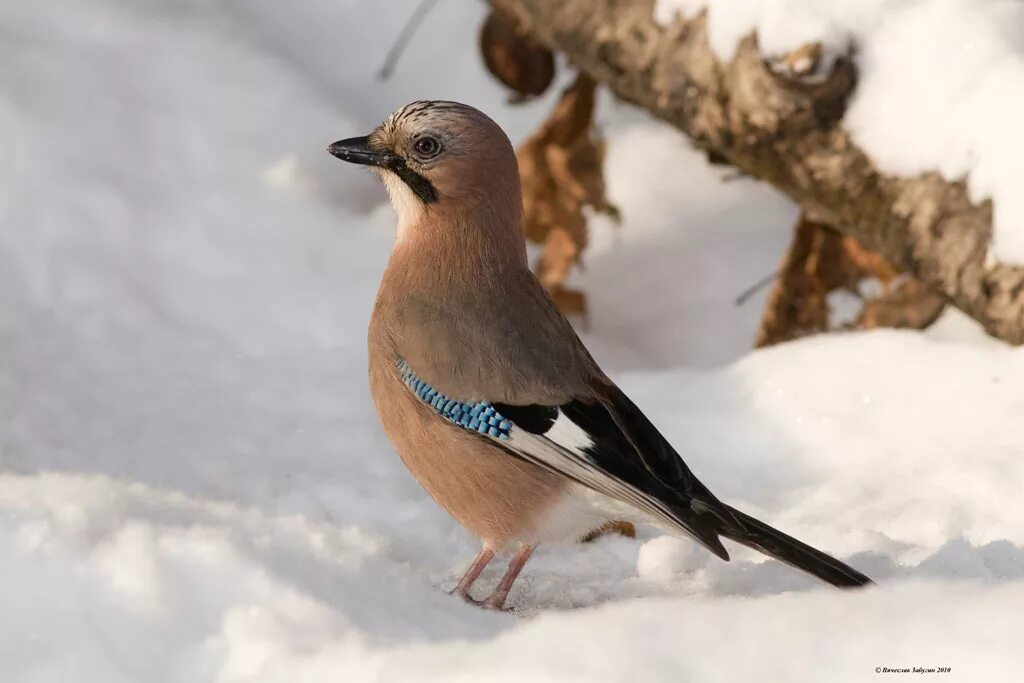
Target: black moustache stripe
x,y
422,187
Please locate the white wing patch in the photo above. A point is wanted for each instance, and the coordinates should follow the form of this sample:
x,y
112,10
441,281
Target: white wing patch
x,y
569,436
581,468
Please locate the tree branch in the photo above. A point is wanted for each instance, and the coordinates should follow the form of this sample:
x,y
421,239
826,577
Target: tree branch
x,y
788,133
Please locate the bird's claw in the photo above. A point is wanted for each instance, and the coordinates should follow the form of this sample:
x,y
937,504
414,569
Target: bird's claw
x,y
490,603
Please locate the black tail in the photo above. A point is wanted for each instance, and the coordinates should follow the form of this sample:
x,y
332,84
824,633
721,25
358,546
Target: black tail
x,y
772,542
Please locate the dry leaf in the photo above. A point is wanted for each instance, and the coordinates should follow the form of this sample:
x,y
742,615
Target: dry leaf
x,y
820,261
620,528
561,167
514,58
908,305
797,305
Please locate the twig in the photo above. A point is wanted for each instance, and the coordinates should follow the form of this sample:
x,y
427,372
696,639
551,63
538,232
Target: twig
x,y
755,288
404,36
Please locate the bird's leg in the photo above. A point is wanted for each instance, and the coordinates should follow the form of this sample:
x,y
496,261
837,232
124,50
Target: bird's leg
x,y
496,600
483,558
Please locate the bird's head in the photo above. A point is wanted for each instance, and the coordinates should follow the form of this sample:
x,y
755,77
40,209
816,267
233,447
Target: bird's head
x,y
436,156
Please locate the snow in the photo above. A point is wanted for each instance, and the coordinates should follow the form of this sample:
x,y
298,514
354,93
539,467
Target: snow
x,y
940,84
193,485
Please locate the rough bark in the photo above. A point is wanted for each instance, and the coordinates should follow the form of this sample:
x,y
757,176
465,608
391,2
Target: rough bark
x,y
788,132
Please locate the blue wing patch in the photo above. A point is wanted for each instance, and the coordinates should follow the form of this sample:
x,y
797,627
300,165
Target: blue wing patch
x,y
480,416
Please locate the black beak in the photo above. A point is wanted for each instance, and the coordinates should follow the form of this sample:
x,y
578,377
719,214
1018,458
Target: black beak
x,y
355,151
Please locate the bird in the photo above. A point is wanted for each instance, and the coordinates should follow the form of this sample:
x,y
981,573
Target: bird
x,y
484,389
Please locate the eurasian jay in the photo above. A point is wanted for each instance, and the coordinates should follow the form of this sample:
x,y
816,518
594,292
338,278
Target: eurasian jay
x,y
483,387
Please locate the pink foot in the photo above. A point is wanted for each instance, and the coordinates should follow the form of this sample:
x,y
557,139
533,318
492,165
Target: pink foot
x,y
496,600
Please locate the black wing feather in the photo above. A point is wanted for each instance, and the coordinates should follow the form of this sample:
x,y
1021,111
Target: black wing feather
x,y
629,448
533,418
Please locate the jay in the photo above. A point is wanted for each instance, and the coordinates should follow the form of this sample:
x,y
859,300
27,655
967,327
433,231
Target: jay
x,y
484,389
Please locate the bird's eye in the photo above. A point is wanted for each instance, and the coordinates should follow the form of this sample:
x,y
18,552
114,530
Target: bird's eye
x,y
426,147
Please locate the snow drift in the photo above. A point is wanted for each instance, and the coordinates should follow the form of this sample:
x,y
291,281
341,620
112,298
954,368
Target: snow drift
x,y
939,84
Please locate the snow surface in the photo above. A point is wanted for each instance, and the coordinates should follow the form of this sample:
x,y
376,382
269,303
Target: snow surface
x,y
193,486
940,84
